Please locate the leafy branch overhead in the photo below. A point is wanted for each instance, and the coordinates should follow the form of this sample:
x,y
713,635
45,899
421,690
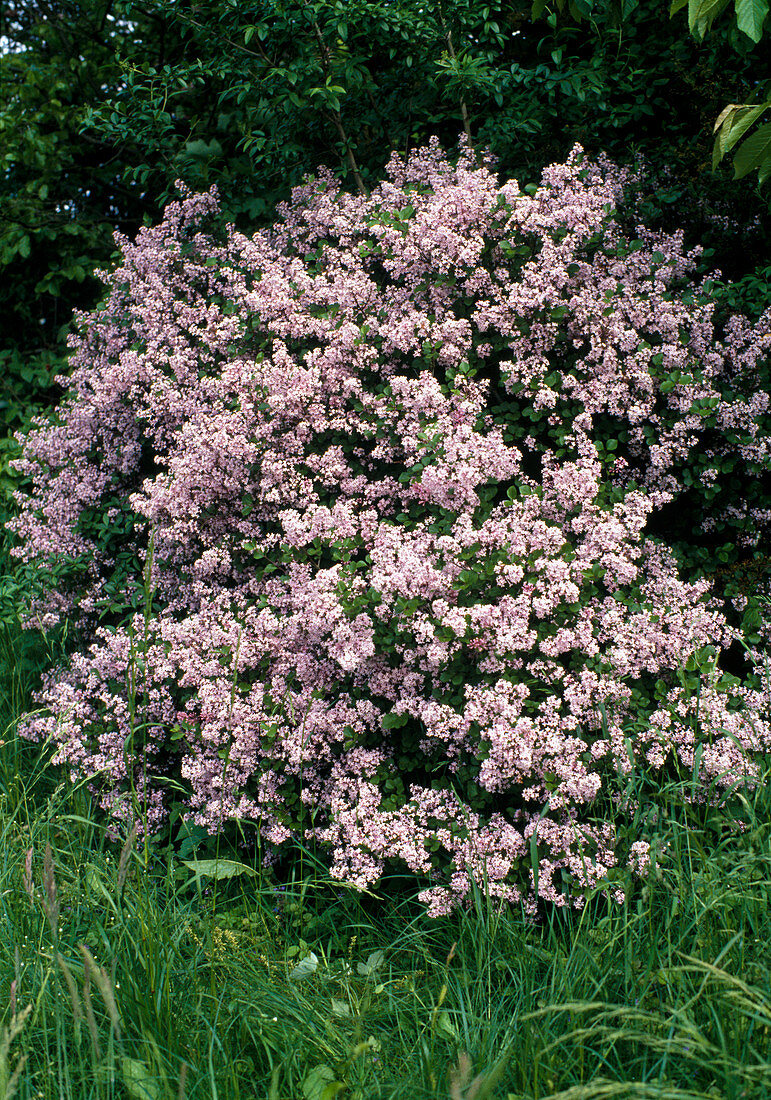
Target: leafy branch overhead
x,y
755,151
733,122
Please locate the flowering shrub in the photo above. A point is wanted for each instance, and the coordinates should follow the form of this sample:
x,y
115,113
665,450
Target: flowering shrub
x,y
387,470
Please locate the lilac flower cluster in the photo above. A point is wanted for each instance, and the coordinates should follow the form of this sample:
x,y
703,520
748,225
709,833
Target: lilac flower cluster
x,y
387,469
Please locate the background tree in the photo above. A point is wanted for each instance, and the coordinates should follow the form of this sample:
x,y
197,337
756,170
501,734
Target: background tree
x,y
60,187
105,103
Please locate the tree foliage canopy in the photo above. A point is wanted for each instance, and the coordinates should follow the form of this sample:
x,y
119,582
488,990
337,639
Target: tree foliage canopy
x,y
106,103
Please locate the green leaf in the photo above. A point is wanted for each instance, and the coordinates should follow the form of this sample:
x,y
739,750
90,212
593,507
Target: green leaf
x,y
732,124
305,967
322,1084
702,14
446,1027
218,868
755,152
696,763
750,15
373,963
140,1083
393,721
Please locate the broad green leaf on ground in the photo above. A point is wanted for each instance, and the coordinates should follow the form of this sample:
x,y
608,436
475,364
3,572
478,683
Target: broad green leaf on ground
x,y
140,1083
305,967
217,868
321,1084
373,963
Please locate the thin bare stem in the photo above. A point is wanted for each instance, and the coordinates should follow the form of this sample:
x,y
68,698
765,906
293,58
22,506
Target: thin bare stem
x,y
50,900
90,1018
454,58
334,115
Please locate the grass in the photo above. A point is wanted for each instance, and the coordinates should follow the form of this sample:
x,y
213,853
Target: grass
x,y
126,972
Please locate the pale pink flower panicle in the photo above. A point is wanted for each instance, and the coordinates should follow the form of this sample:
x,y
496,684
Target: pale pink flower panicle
x,y
387,470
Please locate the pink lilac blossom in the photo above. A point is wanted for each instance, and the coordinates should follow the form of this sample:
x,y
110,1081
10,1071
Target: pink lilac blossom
x,y
317,442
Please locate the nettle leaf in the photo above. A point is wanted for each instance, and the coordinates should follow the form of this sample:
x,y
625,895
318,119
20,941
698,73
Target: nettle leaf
x,y
445,1027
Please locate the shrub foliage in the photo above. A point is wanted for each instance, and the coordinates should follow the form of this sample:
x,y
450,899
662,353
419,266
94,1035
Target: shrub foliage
x,y
351,522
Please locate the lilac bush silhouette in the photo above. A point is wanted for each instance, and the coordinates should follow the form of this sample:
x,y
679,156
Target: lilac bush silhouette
x,y
386,470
